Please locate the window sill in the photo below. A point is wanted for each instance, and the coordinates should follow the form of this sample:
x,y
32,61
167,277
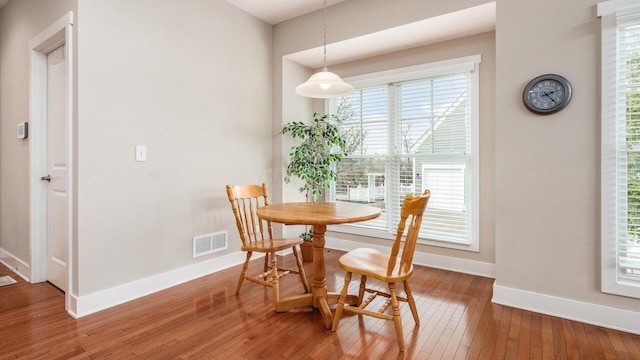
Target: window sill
x,y
622,288
380,234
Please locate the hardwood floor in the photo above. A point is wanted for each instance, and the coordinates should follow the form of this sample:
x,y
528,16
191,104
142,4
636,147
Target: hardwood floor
x,y
204,319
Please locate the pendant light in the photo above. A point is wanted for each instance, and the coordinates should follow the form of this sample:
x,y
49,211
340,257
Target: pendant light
x,y
324,84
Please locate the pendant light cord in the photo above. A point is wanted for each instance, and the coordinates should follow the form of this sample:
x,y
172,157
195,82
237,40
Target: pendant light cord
x,y
324,84
324,31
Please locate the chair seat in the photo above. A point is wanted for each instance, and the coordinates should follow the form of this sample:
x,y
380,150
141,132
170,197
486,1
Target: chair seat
x,y
271,245
372,263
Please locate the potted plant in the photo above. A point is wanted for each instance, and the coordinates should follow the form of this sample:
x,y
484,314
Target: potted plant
x,y
312,161
307,245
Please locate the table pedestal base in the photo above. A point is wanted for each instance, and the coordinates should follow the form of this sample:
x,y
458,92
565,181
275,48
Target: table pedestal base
x,y
321,303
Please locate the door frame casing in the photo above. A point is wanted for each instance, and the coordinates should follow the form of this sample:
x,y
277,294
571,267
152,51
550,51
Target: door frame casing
x,y
59,33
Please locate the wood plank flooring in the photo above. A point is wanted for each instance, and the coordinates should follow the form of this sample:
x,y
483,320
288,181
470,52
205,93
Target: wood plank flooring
x,y
204,319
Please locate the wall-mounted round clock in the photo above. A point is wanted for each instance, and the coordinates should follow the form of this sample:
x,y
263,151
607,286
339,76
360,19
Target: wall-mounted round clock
x,y
547,94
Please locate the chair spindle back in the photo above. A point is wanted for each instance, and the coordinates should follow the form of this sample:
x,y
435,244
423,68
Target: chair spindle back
x,y
245,201
412,208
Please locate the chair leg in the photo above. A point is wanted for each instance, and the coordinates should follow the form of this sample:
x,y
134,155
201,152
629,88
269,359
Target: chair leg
x,y
266,262
303,275
243,273
341,300
396,316
411,301
363,286
274,278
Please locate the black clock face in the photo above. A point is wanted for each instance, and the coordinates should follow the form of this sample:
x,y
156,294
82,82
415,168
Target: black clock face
x,y
547,94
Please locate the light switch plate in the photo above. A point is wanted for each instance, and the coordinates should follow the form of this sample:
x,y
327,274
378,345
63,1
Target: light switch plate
x,y
141,152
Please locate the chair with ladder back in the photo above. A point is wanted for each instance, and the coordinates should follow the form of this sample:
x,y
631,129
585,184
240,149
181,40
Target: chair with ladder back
x,y
257,236
385,268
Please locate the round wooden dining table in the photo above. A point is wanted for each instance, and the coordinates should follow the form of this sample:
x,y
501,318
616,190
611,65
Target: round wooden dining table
x,y
319,215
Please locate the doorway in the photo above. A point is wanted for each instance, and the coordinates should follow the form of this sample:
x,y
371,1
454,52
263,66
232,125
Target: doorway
x,y
55,179
51,157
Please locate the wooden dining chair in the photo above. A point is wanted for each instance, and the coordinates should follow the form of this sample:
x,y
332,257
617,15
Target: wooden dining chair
x,y
257,236
385,268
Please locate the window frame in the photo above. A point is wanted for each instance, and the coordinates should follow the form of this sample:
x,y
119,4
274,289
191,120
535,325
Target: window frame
x,y
610,12
446,67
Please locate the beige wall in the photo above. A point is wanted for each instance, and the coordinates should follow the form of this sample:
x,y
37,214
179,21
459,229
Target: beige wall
x,y
354,18
169,75
191,80
540,205
547,167
176,78
20,21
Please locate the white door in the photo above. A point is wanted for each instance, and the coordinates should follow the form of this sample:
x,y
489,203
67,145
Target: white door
x,y
57,158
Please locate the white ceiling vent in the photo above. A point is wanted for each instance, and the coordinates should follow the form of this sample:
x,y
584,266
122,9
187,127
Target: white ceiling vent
x,y
209,243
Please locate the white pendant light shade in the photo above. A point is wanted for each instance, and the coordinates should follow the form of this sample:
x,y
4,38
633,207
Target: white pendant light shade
x,y
324,85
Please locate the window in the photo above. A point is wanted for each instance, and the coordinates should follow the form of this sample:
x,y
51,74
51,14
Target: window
x,y
620,173
408,130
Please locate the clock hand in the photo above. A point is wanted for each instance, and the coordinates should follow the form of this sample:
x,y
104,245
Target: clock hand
x,y
547,95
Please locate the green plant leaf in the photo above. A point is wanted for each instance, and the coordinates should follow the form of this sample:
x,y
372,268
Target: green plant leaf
x,y
311,161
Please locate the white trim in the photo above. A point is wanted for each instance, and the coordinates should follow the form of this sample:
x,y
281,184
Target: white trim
x,y
37,166
465,266
608,160
619,7
59,33
69,49
590,313
14,264
595,314
356,229
91,303
475,157
444,67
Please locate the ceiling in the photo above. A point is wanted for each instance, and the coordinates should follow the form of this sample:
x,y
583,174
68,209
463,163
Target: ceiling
x,y
276,11
271,11
445,27
467,22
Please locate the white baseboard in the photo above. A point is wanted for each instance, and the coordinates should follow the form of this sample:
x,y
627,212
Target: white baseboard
x,y
16,265
614,318
425,259
88,304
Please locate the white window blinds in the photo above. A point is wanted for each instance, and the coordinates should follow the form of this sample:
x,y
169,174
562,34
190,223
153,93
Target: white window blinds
x,y
620,153
628,145
407,136
433,124
364,125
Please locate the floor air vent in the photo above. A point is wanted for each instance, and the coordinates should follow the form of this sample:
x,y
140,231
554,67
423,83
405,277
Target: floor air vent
x,y
209,243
